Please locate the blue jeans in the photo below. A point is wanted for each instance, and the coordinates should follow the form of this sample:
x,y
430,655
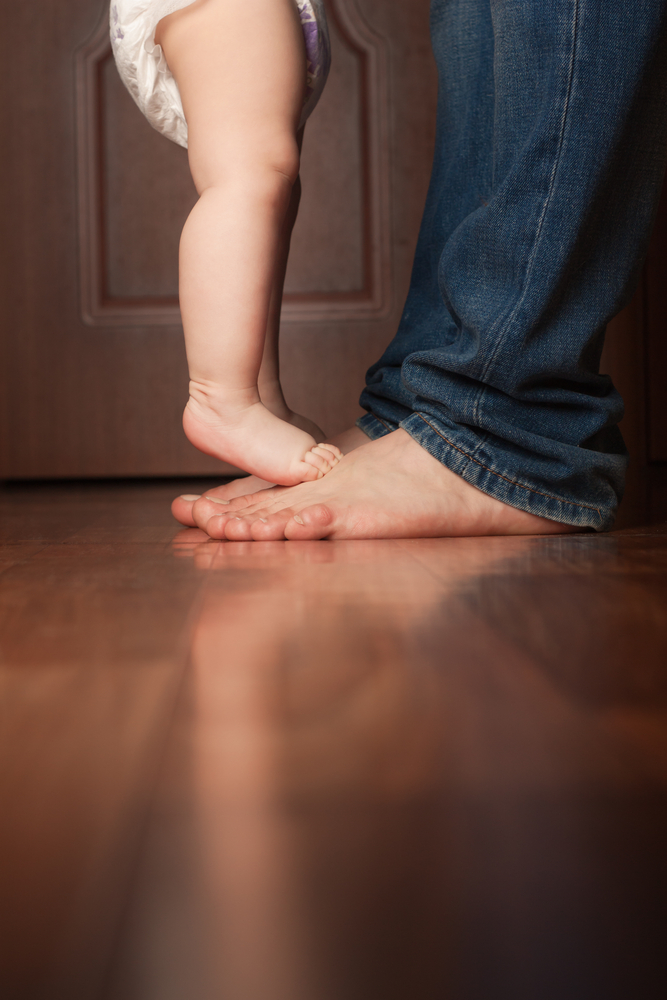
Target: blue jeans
x,y
551,147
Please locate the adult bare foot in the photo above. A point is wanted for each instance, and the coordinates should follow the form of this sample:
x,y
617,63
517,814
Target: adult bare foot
x,y
220,496
388,488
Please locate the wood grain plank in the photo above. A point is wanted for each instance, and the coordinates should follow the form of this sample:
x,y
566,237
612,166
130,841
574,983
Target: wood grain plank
x,y
360,770
399,783
94,642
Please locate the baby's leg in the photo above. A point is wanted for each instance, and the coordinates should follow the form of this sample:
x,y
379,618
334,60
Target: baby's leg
x,y
268,381
240,69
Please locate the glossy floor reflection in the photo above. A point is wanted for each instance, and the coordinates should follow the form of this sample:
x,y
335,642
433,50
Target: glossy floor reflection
x,y
327,770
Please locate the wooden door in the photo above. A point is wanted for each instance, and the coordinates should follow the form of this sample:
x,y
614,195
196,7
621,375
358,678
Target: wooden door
x,y
93,366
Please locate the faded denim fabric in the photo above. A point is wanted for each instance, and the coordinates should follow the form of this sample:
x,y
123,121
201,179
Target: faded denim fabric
x,y
550,152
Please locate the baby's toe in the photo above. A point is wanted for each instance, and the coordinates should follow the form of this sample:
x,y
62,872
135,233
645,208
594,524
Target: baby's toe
x,y
335,453
329,457
319,462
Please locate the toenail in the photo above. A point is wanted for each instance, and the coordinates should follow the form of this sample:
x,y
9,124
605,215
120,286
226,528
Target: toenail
x,y
189,496
298,519
264,520
217,499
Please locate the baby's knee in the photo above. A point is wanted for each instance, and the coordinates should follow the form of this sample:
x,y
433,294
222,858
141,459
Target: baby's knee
x,y
269,184
281,154
274,173
265,171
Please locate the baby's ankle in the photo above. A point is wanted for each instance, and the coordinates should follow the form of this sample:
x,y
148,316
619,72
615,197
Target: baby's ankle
x,y
271,395
218,398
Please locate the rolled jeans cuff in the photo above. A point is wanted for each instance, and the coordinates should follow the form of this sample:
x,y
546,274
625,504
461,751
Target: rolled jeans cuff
x,y
501,484
374,427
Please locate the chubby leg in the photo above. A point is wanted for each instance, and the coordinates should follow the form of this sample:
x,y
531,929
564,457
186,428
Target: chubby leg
x,y
270,391
240,69
268,382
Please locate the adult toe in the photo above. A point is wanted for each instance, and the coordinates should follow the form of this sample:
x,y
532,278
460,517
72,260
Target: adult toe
x,y
316,521
207,509
268,528
216,527
181,508
238,529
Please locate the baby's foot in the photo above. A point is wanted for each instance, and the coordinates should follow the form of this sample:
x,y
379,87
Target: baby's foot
x,y
304,424
249,436
271,394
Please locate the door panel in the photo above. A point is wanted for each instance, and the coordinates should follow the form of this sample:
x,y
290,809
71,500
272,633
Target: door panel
x,y
94,374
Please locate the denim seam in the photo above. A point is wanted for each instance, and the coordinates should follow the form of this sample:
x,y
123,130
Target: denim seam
x,y
512,482
476,407
547,201
377,419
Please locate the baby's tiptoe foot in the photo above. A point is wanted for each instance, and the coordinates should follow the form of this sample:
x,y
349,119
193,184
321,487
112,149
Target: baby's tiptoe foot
x,y
327,453
252,438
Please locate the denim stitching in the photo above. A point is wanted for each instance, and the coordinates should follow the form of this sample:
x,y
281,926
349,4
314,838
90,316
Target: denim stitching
x,y
476,416
375,417
547,201
512,482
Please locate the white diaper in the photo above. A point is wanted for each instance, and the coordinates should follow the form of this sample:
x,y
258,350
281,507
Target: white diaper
x,y
144,71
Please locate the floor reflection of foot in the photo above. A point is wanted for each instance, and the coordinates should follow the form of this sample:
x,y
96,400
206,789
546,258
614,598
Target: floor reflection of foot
x,y
388,488
278,734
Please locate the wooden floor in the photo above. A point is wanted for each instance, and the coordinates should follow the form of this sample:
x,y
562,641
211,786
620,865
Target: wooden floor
x,y
404,770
